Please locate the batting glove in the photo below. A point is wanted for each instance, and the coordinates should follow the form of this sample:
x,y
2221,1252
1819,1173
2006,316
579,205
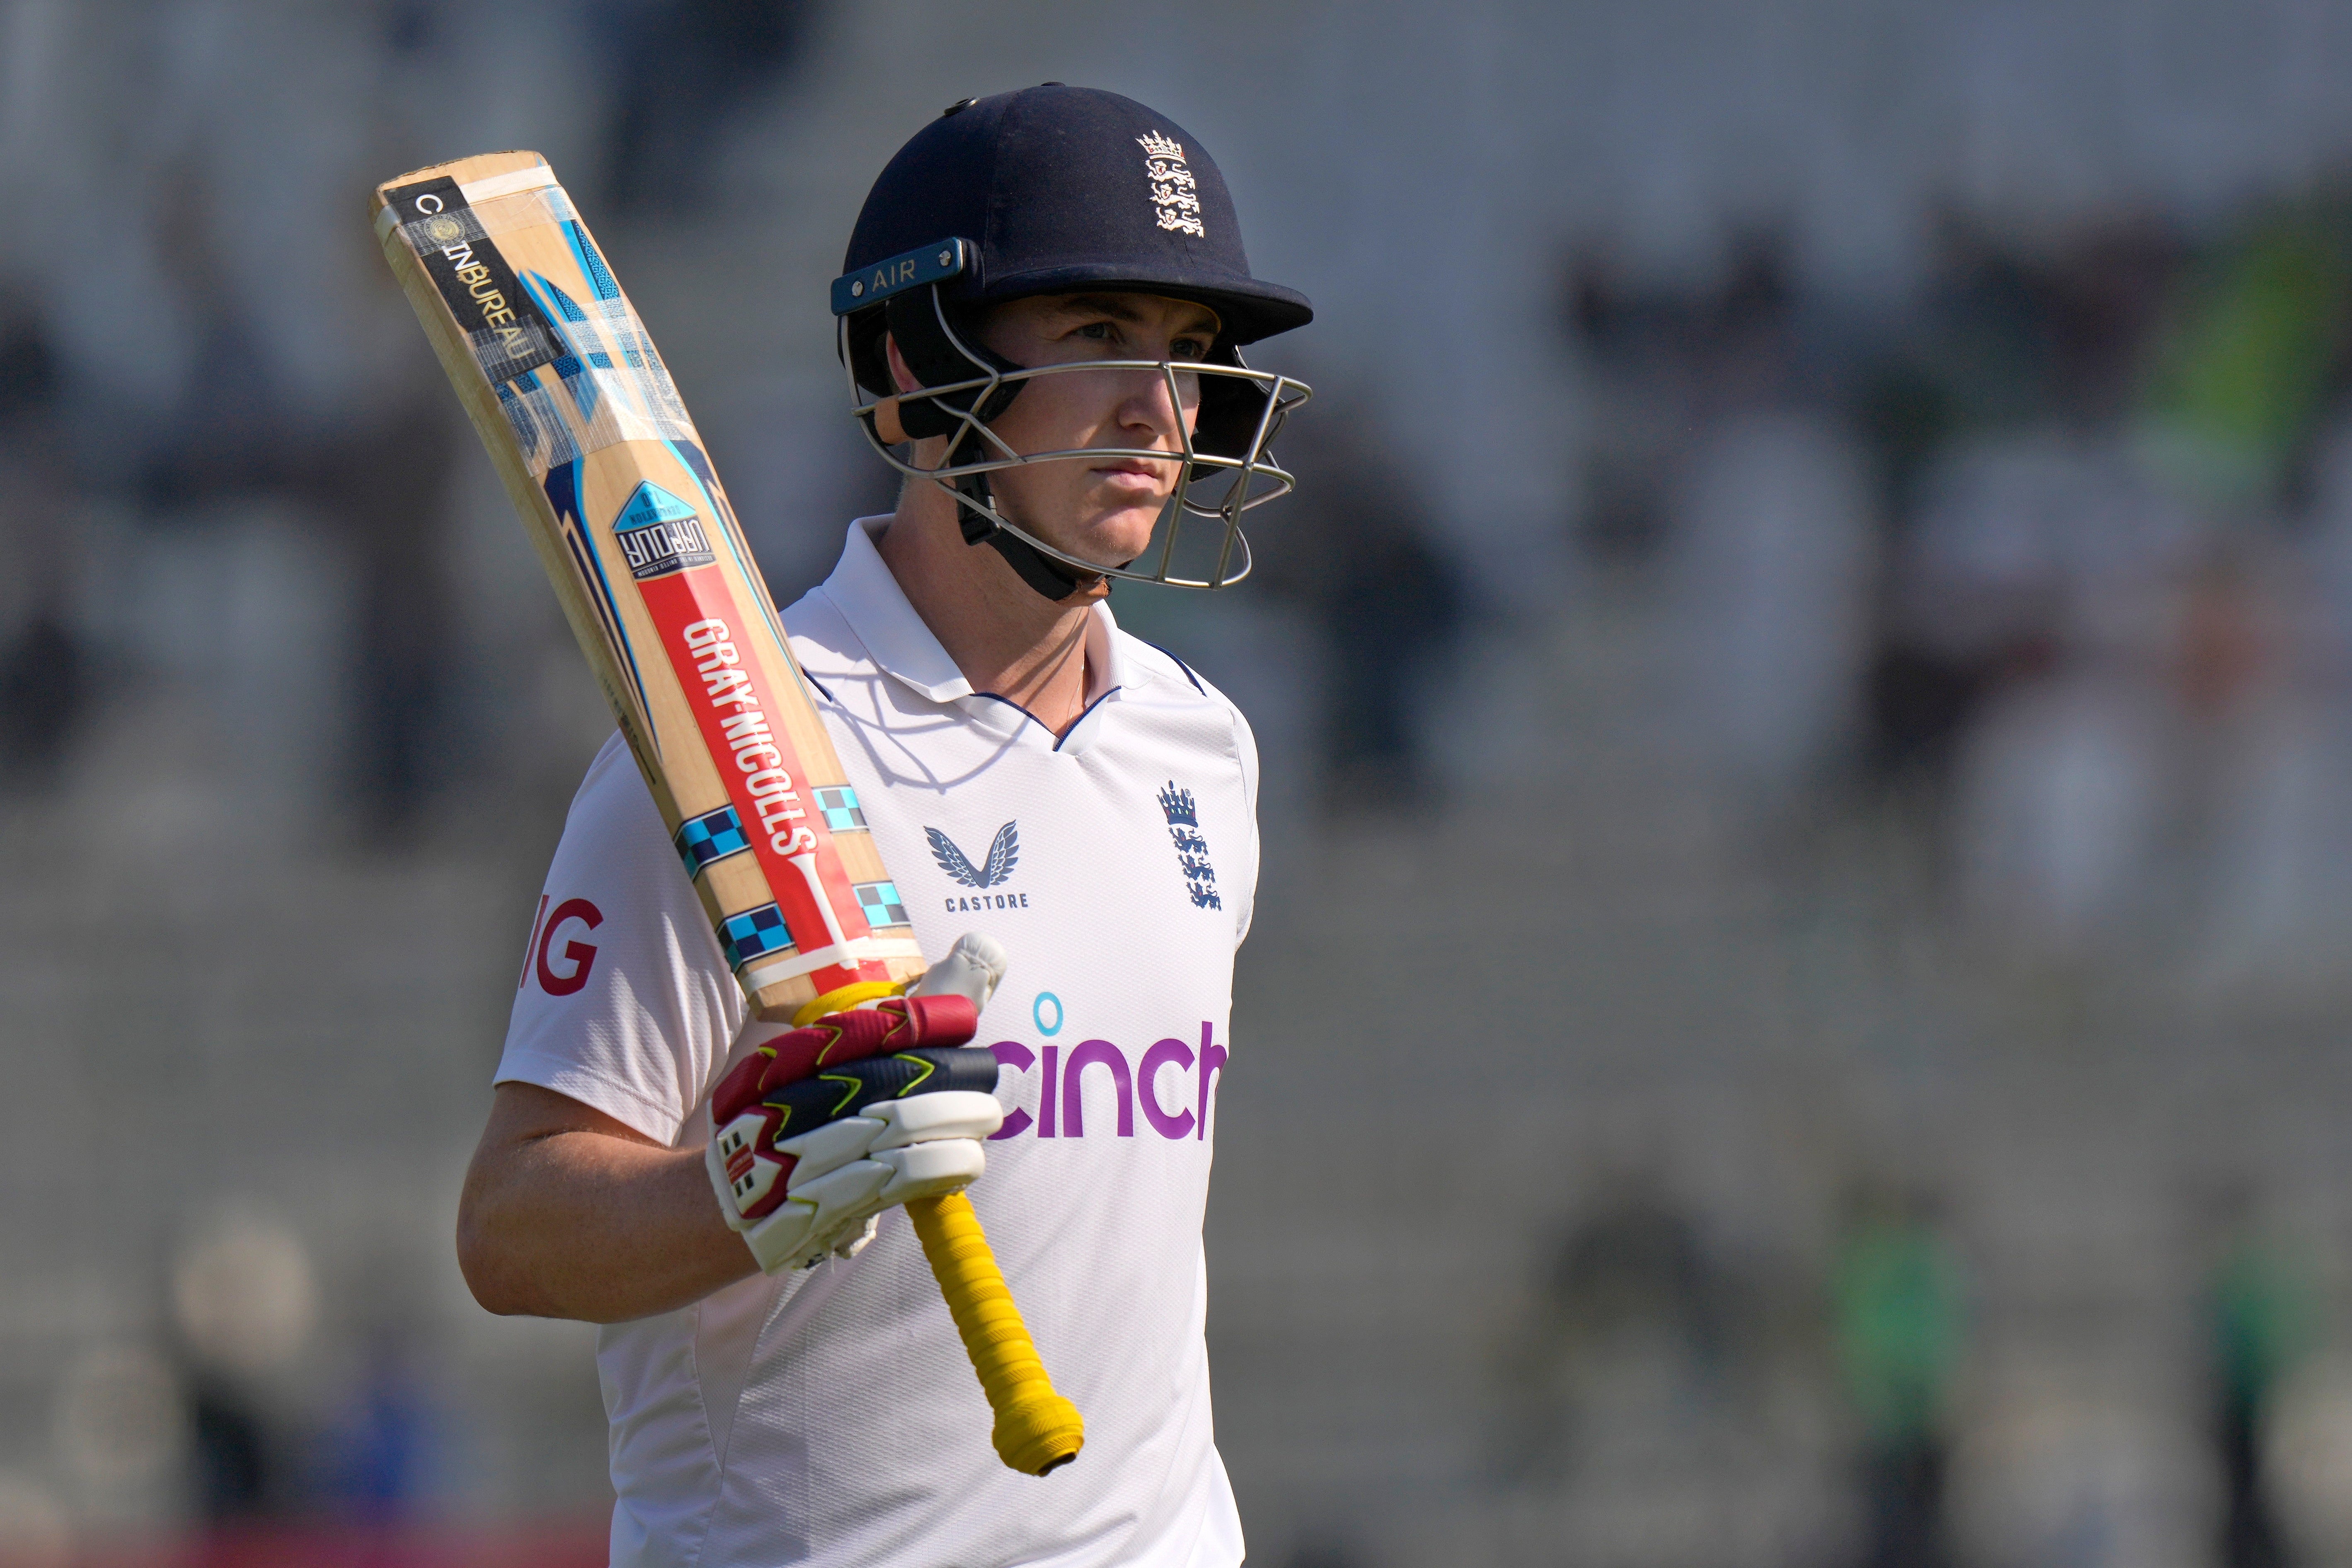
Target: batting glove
x,y
821,1129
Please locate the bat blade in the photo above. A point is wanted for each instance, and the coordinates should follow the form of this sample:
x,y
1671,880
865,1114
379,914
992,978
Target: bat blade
x,y
613,484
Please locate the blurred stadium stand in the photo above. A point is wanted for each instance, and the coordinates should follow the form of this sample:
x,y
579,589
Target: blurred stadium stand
x,y
1798,1009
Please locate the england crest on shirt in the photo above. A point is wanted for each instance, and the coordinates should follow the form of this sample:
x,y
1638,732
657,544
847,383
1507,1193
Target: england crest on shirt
x,y
1191,849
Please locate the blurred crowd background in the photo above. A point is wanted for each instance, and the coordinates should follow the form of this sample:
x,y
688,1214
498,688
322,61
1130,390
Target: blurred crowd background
x,y
1797,1015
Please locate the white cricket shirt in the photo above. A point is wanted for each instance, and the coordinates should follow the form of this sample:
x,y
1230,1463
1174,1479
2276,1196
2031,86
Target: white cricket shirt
x,y
830,1418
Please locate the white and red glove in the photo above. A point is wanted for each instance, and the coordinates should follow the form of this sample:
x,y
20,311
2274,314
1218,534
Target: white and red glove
x,y
821,1129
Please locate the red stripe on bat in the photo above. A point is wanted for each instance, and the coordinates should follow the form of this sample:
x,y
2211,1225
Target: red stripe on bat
x,y
699,621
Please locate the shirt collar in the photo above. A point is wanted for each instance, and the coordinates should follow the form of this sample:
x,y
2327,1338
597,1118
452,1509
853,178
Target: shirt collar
x,y
876,608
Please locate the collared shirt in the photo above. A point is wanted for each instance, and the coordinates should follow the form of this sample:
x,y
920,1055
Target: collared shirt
x,y
830,1418
870,603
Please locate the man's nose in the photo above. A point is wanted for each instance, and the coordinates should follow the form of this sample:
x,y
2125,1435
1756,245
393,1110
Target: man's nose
x,y
1151,402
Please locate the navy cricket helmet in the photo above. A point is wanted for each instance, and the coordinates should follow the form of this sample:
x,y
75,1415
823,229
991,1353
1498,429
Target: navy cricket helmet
x,y
1051,190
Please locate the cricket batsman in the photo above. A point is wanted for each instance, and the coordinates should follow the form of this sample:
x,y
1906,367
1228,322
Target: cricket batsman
x,y
1042,310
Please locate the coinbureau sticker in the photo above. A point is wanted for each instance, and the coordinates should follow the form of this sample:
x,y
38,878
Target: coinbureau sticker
x,y
509,335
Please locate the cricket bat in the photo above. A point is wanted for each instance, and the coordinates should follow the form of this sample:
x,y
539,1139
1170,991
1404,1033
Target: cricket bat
x,y
612,483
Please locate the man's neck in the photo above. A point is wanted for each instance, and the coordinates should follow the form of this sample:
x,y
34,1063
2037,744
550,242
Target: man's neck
x,y
1004,636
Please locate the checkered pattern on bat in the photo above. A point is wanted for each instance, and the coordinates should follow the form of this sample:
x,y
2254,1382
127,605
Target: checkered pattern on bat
x,y
882,904
755,933
841,812
752,934
713,836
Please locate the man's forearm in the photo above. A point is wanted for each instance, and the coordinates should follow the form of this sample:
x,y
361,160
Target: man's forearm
x,y
562,1218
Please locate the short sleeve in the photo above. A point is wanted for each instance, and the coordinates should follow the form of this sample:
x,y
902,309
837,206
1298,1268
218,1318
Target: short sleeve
x,y
1245,748
625,1003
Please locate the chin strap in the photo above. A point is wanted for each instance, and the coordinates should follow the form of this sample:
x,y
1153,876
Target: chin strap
x,y
1053,579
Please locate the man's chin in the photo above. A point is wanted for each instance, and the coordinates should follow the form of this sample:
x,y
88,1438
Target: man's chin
x,y
1113,540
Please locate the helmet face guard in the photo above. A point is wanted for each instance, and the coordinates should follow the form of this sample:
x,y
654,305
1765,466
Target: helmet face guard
x,y
1227,464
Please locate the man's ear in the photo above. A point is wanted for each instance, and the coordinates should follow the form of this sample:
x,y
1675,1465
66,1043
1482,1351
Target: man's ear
x,y
886,428
900,376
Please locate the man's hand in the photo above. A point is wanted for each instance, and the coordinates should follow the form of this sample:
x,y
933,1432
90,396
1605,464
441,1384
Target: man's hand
x,y
821,1129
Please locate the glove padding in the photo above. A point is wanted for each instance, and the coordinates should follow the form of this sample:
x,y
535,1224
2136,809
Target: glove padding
x,y
821,1129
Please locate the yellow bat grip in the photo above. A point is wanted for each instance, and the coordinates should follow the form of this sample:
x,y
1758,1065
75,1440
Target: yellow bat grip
x,y
1036,1428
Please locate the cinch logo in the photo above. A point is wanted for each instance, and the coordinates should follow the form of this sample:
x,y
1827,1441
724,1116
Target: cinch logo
x,y
1175,1110
1004,854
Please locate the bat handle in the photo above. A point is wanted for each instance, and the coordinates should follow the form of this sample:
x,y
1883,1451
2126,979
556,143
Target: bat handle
x,y
1036,1428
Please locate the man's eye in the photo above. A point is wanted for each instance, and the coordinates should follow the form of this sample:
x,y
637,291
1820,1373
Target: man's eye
x,y
1187,348
1098,331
